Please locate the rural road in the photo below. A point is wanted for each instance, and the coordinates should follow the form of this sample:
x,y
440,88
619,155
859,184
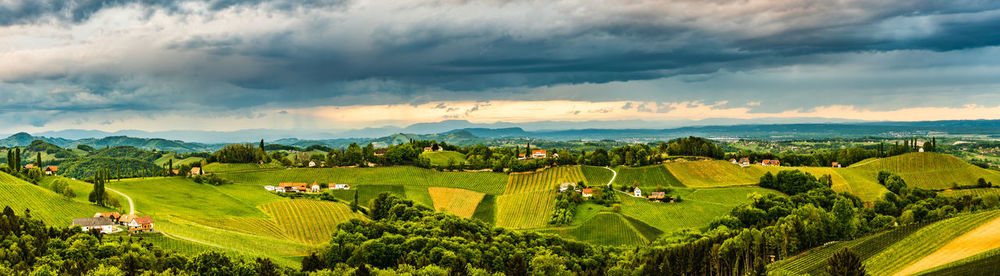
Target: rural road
x,y
131,204
615,174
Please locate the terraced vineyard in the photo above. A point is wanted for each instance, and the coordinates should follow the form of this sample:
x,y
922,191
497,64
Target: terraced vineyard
x,y
983,238
924,242
484,182
542,181
982,264
931,170
972,192
525,209
813,262
309,221
647,177
715,173
596,175
460,202
604,229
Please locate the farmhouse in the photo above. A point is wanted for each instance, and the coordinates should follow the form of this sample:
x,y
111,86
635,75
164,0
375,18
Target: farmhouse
x,y
745,162
51,170
733,160
520,156
314,188
270,188
124,219
196,171
312,163
140,224
637,192
538,154
657,196
835,165
103,224
340,186
292,187
114,216
566,186
588,192
28,166
769,162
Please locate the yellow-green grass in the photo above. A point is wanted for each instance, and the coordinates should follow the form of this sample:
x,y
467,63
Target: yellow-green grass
x,y
972,192
984,238
418,195
525,209
182,196
545,180
604,228
163,160
924,242
459,202
813,261
310,221
716,173
239,167
931,170
183,247
985,263
484,182
44,204
696,210
646,177
82,190
368,192
486,211
284,251
596,176
860,183
441,158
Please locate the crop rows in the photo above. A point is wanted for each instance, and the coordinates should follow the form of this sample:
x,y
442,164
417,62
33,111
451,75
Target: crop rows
x,y
541,181
525,210
309,221
43,203
596,176
253,226
277,249
924,242
606,229
866,247
647,177
932,170
981,239
972,192
714,173
982,264
460,202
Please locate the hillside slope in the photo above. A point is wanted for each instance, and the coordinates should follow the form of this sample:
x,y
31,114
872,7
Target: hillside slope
x,y
44,204
930,170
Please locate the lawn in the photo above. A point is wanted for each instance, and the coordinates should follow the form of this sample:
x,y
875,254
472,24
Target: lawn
x,y
238,167
442,158
82,190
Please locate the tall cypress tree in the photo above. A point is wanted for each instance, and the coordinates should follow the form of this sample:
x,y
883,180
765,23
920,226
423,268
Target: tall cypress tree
x,y
38,160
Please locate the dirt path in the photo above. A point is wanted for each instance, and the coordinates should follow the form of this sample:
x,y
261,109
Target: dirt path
x,y
979,240
615,174
131,204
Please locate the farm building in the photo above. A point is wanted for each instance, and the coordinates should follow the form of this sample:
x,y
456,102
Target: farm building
x,y
637,192
28,166
340,186
114,216
292,187
140,224
588,192
103,224
566,186
520,156
196,171
835,164
538,154
657,196
733,160
270,188
51,170
769,162
314,188
312,163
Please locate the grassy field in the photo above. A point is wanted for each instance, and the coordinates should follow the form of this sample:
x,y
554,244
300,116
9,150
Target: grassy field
x,y
525,209
52,208
812,262
924,242
647,177
441,158
604,228
238,167
368,192
162,161
861,183
698,208
82,190
548,179
483,182
460,202
487,209
931,170
596,175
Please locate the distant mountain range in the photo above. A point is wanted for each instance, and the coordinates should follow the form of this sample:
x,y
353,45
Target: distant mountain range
x,y
465,133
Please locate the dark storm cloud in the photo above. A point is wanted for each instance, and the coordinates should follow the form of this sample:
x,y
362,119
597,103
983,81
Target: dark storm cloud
x,y
31,11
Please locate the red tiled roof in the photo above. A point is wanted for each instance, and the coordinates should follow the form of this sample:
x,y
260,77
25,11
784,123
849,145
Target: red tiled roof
x,y
588,191
52,168
143,220
285,185
537,151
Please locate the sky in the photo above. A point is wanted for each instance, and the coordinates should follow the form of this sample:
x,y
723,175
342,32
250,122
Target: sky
x,y
226,65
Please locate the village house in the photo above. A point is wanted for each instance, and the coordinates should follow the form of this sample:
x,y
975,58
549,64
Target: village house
x,y
769,162
270,188
314,188
140,224
340,186
538,154
733,160
125,219
657,196
637,192
588,192
312,163
520,156
744,162
566,186
292,187
195,171
114,216
29,166
51,170
835,165
103,224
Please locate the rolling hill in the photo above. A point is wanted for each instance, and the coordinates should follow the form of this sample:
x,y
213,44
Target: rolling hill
x,y
930,170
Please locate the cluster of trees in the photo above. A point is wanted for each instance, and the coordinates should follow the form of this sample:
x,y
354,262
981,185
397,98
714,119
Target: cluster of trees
x,y
99,195
29,246
845,156
695,146
240,153
210,179
565,209
794,182
61,187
